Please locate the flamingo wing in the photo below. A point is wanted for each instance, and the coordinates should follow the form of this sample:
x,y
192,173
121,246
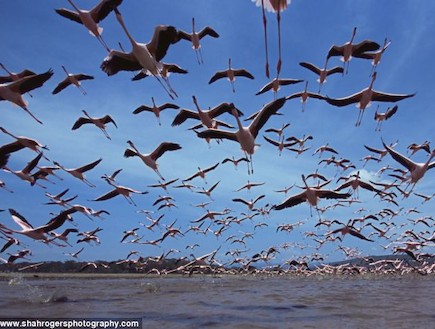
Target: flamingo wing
x,y
243,73
266,112
218,75
265,88
107,196
391,112
80,121
384,97
183,115
168,106
107,118
119,61
20,220
355,98
291,201
403,160
208,31
89,166
223,108
142,108
101,10
364,46
217,134
31,82
163,37
313,68
163,147
61,86
72,15
82,76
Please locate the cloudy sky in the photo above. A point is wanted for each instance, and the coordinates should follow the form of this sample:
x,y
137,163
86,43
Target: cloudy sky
x,y
36,38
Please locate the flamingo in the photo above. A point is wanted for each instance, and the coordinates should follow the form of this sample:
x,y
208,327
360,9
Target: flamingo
x,y
273,6
275,85
249,204
231,74
151,158
311,195
347,229
374,56
350,49
14,76
98,122
194,37
64,235
38,233
79,172
365,97
234,161
201,172
416,169
280,144
13,91
25,173
20,143
304,95
322,73
245,136
167,69
91,18
143,56
72,79
207,118
156,109
119,190
383,116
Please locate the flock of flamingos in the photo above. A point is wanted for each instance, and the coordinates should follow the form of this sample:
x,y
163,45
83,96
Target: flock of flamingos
x,y
413,238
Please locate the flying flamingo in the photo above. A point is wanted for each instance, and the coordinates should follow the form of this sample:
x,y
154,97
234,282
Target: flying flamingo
x,y
194,37
119,190
143,56
416,169
383,116
207,117
20,143
25,173
98,122
275,85
156,109
79,172
72,79
304,95
37,233
151,158
273,6
91,18
322,73
311,195
350,49
231,75
365,97
13,91
245,136
374,56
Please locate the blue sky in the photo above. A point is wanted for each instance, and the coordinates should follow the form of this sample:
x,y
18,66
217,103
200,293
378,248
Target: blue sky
x,y
42,40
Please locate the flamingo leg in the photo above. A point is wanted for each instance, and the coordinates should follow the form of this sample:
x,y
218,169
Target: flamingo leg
x,y
278,65
164,87
30,113
265,39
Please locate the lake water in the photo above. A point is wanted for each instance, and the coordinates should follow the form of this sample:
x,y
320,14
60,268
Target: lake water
x,y
229,301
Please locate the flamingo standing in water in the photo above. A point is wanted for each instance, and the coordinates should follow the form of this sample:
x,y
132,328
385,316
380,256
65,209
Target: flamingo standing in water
x,y
13,91
245,136
273,6
145,57
365,97
91,18
194,37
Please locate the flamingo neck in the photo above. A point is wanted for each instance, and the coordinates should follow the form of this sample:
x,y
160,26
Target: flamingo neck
x,y
75,7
